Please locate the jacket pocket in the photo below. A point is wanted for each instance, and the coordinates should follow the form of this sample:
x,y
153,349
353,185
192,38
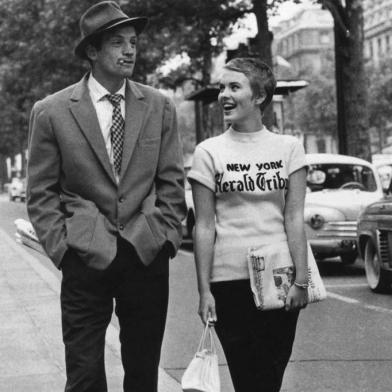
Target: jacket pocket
x,y
80,228
157,224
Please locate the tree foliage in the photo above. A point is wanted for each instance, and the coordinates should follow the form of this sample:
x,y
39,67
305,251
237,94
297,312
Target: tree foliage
x,y
380,98
313,109
380,94
38,38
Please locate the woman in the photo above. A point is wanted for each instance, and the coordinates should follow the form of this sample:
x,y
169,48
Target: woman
x,y
248,188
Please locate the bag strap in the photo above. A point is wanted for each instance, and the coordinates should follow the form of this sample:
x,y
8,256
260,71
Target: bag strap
x,y
207,339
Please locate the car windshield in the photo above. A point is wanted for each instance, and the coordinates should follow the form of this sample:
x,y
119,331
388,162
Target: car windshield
x,y
330,176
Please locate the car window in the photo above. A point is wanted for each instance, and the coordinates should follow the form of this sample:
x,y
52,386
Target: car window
x,y
340,176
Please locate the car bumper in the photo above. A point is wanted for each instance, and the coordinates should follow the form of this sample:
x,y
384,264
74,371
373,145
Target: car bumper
x,y
334,238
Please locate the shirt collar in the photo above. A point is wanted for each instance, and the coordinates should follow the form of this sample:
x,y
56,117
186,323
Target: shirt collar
x,y
98,92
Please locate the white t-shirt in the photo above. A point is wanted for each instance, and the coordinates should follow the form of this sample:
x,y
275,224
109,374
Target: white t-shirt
x,y
248,172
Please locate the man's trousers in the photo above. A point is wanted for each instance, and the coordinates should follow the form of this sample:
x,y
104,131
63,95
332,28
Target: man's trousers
x,y
140,295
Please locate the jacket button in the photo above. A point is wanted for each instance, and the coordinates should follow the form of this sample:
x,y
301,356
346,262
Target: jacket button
x,y
121,199
121,227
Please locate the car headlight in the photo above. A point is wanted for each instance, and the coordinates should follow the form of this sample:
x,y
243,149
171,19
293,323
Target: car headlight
x,y
316,221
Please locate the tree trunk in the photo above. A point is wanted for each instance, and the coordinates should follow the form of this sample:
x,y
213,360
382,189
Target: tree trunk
x,y
3,172
263,40
206,80
351,86
358,141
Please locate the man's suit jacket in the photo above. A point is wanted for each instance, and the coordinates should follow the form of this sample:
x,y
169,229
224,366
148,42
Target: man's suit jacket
x,y
73,199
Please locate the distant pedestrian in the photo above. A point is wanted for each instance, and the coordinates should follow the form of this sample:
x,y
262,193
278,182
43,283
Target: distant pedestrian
x,y
106,198
248,188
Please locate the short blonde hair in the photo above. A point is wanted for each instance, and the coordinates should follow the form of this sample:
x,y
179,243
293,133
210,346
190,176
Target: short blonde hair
x,y
261,78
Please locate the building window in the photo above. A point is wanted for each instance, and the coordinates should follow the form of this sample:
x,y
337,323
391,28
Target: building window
x,y
324,38
379,46
291,46
387,44
296,41
284,48
321,145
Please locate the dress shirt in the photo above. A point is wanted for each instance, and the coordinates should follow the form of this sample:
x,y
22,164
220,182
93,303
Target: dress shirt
x,y
104,110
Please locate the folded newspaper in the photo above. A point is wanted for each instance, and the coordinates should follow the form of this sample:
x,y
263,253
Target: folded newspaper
x,y
25,234
272,273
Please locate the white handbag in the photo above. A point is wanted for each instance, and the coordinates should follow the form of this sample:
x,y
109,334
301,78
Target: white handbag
x,y
202,373
272,273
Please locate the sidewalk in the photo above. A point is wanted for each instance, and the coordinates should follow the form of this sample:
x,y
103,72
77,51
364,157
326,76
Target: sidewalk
x,y
31,348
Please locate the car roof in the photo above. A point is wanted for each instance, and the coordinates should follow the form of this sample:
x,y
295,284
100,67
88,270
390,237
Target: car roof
x,y
335,158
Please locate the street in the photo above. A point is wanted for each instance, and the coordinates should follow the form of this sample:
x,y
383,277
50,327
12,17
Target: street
x,y
343,344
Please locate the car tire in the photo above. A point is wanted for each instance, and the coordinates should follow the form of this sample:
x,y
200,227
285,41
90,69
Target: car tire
x,y
349,258
376,276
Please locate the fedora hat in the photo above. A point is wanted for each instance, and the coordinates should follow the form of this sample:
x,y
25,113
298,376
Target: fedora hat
x,y
102,17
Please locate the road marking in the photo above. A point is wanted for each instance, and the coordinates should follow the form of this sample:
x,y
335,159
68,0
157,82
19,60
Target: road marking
x,y
343,285
342,298
356,302
378,309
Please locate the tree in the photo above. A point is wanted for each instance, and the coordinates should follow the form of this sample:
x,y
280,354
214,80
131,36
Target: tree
x,y
194,27
313,109
212,21
264,39
38,39
380,98
351,86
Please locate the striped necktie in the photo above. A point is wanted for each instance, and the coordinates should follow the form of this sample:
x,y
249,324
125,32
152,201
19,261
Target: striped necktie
x,y
116,130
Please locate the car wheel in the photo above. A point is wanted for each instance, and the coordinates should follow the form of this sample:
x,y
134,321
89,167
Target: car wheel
x,y
348,258
375,275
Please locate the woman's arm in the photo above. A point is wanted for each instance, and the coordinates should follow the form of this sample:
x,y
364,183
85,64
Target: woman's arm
x,y
204,238
295,229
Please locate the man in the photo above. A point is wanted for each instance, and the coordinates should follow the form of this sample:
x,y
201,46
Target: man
x,y
106,198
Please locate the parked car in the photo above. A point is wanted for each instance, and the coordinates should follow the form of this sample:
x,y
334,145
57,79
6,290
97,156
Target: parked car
x,y
375,244
339,189
17,189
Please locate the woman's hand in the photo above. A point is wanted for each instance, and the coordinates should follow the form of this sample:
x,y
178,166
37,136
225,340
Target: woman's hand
x,y
297,298
207,308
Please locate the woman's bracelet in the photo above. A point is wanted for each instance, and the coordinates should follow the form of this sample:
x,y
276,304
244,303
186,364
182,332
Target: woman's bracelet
x,y
301,285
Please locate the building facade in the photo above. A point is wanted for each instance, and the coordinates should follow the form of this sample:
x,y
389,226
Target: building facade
x,y
378,30
304,39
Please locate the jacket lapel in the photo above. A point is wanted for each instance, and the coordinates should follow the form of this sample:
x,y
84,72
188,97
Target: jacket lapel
x,y
135,108
83,110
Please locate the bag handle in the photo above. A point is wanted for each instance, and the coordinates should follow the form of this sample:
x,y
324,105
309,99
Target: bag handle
x,y
207,339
